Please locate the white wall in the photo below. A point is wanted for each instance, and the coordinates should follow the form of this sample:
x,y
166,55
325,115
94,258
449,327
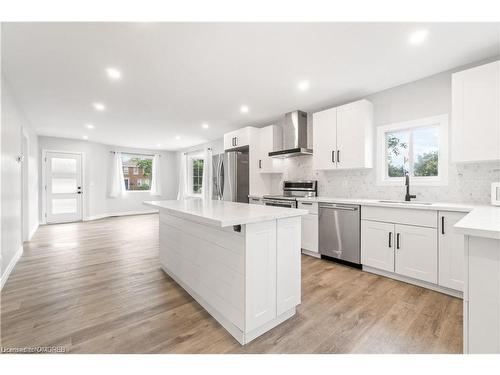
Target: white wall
x,y
14,124
97,173
423,98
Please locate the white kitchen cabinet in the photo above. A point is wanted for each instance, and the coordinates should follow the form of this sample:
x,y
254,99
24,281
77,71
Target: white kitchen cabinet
x,y
270,139
310,233
288,268
325,139
482,296
343,137
261,256
309,243
416,252
476,114
355,135
377,245
259,183
238,138
451,251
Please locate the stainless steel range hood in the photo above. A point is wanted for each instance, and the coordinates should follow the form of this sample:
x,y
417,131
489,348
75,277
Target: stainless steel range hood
x,y
294,136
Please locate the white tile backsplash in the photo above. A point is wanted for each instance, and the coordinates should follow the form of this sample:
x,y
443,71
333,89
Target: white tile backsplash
x,y
469,183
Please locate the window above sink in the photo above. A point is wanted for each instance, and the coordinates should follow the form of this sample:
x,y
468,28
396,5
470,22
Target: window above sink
x,y
418,147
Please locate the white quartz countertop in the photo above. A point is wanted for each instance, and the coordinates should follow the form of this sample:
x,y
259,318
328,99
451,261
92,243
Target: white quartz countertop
x,y
223,213
483,221
435,206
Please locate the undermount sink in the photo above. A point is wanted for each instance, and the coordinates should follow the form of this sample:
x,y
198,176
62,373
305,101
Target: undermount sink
x,y
406,202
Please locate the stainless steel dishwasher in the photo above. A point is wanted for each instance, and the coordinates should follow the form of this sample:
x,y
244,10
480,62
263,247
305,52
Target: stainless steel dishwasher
x,y
339,231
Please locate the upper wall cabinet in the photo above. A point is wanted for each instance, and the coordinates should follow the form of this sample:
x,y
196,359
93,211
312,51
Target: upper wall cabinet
x,y
270,139
238,138
475,128
343,137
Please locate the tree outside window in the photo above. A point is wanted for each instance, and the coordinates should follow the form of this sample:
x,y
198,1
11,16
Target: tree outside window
x,y
138,171
413,151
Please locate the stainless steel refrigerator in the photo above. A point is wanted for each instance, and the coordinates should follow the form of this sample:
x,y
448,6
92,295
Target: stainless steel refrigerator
x,y
231,176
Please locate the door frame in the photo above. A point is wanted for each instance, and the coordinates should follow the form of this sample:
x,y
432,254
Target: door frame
x,y
25,201
44,182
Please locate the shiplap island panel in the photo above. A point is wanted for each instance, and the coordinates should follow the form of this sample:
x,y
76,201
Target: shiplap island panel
x,y
240,262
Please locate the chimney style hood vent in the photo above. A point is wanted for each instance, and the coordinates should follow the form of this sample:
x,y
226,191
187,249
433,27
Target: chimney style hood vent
x,y
294,136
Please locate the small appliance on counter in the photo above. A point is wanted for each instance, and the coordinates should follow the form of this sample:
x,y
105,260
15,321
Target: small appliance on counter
x,y
292,190
495,193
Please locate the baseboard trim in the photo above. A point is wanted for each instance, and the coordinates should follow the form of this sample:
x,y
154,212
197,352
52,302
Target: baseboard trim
x,y
33,231
409,280
311,253
11,266
124,213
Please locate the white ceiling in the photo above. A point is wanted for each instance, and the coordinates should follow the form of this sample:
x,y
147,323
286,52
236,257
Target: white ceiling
x,y
178,75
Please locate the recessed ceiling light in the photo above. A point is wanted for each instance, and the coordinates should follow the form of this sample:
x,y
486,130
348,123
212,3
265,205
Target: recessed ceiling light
x,y
244,109
114,74
89,126
418,37
158,145
303,85
204,125
178,137
85,137
99,106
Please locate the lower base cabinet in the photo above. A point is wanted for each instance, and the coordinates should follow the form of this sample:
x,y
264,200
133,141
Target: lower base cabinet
x,y
451,251
416,252
310,233
404,249
309,230
377,245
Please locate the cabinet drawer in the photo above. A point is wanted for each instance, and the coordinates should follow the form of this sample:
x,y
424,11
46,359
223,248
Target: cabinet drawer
x,y
408,216
312,207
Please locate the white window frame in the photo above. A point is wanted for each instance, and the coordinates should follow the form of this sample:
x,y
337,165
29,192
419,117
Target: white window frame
x,y
441,179
189,166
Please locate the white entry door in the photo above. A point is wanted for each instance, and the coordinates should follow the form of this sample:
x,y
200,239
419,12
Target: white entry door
x,y
63,187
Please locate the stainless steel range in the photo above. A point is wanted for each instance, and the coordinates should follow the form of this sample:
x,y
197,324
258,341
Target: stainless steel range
x,y
292,190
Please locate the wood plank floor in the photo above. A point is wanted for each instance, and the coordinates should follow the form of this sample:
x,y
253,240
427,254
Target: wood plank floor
x,y
97,287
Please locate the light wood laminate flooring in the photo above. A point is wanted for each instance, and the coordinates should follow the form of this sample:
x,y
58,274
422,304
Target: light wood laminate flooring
x,y
97,287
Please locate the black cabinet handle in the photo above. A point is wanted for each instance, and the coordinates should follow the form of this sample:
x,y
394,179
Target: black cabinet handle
x,y
338,156
236,141
442,224
260,164
390,239
397,241
333,156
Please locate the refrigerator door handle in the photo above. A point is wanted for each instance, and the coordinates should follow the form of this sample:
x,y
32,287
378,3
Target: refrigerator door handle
x,y
219,178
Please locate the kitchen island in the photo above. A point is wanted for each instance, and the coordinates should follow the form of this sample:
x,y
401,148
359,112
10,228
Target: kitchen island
x,y
240,262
